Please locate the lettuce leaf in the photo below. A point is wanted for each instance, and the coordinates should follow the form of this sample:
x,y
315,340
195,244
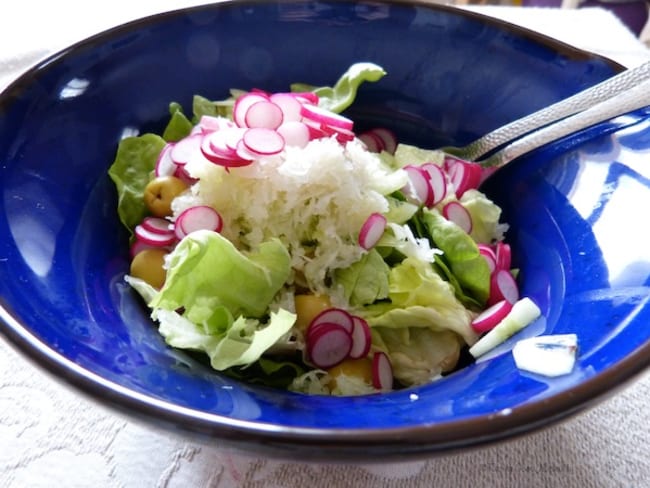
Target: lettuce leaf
x,y
419,297
485,217
366,281
342,94
131,170
212,280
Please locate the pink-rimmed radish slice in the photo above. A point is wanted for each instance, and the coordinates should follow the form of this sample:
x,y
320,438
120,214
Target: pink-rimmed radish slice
x,y
329,345
210,123
463,175
264,114
332,315
361,339
224,156
243,103
220,142
387,138
264,142
437,182
289,104
183,150
157,225
306,97
154,238
503,286
372,230
324,116
382,372
294,133
489,255
503,255
165,165
491,316
456,213
200,217
372,142
418,188
342,135
315,131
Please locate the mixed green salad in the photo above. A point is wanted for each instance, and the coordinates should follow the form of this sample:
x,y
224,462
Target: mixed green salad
x,y
289,250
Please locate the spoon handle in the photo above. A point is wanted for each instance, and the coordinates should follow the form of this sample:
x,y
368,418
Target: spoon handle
x,y
569,106
633,98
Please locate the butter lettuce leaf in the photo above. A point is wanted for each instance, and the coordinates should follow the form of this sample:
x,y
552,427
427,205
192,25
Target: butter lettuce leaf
x,y
340,96
366,281
131,171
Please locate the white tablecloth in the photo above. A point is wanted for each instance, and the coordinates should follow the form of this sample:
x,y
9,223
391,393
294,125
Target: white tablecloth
x,y
52,436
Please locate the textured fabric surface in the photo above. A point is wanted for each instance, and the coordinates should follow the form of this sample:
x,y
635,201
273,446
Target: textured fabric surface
x,y
52,436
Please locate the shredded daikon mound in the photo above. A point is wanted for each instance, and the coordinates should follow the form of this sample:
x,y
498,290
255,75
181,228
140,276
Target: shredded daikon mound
x,y
314,199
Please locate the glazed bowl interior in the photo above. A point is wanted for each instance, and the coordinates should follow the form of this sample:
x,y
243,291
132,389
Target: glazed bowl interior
x,y
452,76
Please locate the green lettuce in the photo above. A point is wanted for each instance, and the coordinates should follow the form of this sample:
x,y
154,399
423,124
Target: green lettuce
x,y
340,96
365,281
485,217
131,171
419,297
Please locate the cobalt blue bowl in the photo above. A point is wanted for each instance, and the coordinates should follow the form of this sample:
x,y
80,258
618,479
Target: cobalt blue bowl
x,y
452,76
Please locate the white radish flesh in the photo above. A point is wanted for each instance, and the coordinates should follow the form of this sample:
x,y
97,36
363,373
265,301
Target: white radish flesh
x,y
264,114
361,338
329,345
157,225
294,133
264,142
333,316
372,230
382,372
503,255
503,286
437,182
463,175
456,213
418,189
523,313
289,104
165,165
185,149
490,317
323,116
200,217
242,105
489,255
372,142
154,238
387,138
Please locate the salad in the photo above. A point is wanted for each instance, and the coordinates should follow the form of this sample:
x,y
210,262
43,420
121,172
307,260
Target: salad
x,y
271,239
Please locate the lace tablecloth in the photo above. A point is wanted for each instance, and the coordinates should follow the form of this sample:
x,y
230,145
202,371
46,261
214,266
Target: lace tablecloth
x,y
52,436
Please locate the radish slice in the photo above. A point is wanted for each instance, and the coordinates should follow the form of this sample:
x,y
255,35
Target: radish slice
x,y
329,345
342,135
503,256
294,133
437,182
289,104
418,189
224,156
503,287
372,230
201,217
333,316
361,338
157,225
154,238
387,138
138,246
490,317
463,175
210,123
165,165
489,255
184,149
372,142
264,114
306,97
242,104
220,143
264,142
456,213
382,372
323,116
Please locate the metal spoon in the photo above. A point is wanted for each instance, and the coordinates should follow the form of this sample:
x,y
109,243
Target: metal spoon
x,y
625,92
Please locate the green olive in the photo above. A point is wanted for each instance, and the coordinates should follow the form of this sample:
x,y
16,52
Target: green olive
x,y
159,193
148,266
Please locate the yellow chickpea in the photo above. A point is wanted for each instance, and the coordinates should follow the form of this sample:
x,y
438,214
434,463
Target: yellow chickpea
x,y
148,266
159,193
308,307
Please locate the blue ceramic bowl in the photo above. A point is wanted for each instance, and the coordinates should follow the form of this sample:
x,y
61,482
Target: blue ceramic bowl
x,y
452,76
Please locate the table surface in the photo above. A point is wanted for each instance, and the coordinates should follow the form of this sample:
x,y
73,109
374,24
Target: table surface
x,y
51,436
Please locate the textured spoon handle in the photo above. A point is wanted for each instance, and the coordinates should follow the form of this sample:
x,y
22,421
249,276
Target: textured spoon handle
x,y
634,98
552,113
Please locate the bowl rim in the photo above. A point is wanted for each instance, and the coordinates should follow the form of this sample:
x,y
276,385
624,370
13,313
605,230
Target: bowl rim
x,y
320,443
